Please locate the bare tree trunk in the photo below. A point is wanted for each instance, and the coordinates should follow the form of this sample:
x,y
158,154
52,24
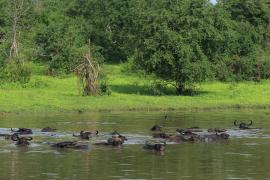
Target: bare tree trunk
x,y
14,46
180,89
18,10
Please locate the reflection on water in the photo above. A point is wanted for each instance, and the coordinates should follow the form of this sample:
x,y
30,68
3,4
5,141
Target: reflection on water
x,y
245,156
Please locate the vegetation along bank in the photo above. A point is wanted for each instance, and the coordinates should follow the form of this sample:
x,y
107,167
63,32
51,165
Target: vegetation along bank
x,y
133,55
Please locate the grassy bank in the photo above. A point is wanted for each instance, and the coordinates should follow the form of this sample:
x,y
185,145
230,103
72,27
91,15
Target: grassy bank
x,y
129,92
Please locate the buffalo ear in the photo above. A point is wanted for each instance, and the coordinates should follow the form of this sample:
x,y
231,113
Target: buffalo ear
x,y
250,123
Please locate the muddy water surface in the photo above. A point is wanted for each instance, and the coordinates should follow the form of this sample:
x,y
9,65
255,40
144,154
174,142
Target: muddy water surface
x,y
245,156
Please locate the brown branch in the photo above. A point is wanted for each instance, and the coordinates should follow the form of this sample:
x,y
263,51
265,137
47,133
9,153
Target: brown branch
x,y
88,72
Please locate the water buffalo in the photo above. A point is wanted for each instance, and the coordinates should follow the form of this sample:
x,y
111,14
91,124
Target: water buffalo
x,y
243,125
23,131
48,129
216,130
189,137
176,139
159,146
214,137
21,141
188,130
115,140
161,135
195,129
183,136
9,136
86,134
70,144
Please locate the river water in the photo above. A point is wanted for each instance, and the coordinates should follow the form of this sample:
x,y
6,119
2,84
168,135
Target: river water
x,y
246,155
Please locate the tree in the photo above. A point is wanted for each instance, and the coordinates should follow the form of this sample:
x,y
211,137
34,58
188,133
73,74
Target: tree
x,y
109,24
60,43
14,24
3,31
172,42
251,34
17,11
255,13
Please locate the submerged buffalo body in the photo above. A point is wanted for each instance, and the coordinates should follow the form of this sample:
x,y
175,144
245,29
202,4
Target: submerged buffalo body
x,y
243,125
9,136
48,129
214,137
70,144
155,146
86,134
216,130
21,141
161,135
23,131
115,140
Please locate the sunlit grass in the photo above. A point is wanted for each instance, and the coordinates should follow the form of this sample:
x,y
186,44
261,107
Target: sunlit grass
x,y
129,92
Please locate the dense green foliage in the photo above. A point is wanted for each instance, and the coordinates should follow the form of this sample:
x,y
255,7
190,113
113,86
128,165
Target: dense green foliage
x,y
181,42
172,46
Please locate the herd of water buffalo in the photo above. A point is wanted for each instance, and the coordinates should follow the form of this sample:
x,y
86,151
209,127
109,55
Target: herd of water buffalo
x,y
22,137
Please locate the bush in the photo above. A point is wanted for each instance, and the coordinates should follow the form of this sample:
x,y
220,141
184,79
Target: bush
x,y
254,67
265,70
37,83
157,88
104,88
17,72
263,66
129,67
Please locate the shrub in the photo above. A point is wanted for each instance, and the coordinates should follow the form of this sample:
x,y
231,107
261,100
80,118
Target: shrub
x,y
37,83
129,67
17,72
158,88
104,88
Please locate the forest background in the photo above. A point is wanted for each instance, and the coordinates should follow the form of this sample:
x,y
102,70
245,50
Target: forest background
x,y
151,55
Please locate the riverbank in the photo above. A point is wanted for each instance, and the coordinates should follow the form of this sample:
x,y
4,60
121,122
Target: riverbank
x,y
129,93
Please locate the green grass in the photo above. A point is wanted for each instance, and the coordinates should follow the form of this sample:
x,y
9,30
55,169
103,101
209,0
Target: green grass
x,y
129,92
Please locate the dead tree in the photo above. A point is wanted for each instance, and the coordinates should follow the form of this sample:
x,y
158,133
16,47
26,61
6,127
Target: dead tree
x,y
87,73
18,10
